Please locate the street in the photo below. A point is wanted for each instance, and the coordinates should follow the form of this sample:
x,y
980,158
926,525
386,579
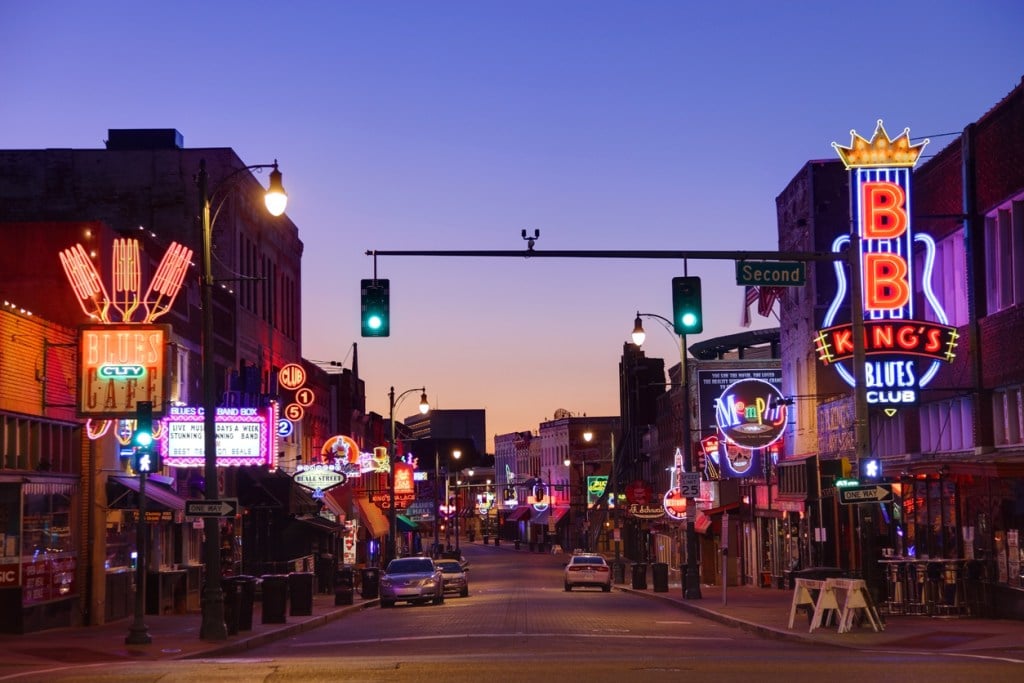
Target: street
x,y
518,624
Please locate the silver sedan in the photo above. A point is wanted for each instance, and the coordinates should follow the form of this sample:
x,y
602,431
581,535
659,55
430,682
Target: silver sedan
x,y
411,579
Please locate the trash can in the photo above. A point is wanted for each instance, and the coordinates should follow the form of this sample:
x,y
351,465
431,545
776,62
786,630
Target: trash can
x,y
618,572
659,571
300,591
245,586
275,598
230,590
370,577
518,543
487,539
497,541
640,576
344,582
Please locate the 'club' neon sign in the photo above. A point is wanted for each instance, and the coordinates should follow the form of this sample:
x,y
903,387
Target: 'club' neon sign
x,y
902,353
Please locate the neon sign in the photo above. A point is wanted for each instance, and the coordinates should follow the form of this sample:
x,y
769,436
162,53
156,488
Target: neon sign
x,y
245,436
902,353
119,365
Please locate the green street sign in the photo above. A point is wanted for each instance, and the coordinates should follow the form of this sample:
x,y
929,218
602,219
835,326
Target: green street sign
x,y
771,273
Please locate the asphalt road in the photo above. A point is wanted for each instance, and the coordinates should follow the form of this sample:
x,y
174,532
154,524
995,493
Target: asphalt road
x,y
518,624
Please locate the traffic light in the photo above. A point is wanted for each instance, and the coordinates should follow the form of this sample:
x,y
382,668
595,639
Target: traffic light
x,y
686,306
143,457
870,469
375,308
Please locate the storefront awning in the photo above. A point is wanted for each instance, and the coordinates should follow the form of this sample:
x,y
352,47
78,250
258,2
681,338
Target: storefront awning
x,y
405,524
321,523
332,502
372,517
158,496
519,514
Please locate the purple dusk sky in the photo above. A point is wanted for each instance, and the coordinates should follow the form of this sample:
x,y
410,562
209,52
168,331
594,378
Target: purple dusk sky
x,y
456,125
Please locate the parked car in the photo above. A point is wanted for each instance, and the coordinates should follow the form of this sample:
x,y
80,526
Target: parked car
x,y
456,579
588,569
455,555
413,580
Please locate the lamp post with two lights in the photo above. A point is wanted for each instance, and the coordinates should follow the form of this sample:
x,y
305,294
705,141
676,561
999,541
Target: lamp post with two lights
x,y
213,626
456,454
393,402
691,576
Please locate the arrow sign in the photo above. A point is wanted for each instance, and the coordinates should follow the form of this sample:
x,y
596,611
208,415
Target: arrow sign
x,y
211,508
874,493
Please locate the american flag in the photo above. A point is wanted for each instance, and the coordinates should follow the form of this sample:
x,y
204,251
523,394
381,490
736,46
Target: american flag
x,y
766,300
750,295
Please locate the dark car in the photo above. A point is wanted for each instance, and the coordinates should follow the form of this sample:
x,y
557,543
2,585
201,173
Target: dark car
x,y
413,580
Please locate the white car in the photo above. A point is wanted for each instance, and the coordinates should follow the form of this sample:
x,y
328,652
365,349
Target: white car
x,y
588,570
456,579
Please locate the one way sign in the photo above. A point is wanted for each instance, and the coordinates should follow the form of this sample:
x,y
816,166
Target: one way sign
x,y
873,493
227,507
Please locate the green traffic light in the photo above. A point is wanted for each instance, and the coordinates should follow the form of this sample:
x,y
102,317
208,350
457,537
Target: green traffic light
x,y
375,307
143,439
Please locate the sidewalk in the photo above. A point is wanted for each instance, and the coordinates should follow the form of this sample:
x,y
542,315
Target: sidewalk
x,y
763,611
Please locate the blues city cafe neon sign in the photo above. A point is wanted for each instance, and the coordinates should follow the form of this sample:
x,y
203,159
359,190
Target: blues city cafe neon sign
x,y
902,353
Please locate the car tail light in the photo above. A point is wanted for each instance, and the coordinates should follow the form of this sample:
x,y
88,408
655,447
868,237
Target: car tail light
x,y
602,569
576,568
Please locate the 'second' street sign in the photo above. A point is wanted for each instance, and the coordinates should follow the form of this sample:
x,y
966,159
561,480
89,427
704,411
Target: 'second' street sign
x,y
227,507
871,493
771,273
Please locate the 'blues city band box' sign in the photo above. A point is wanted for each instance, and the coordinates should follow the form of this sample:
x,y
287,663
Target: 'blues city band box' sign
x,y
902,352
745,409
120,365
245,436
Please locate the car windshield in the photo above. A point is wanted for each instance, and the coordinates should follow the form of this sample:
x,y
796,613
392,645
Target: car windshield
x,y
450,566
410,565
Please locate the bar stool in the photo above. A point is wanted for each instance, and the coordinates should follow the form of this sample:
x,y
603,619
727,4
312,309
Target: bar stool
x,y
916,603
933,588
897,576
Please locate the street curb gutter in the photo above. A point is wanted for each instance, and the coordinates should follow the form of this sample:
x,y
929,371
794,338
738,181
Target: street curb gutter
x,y
285,631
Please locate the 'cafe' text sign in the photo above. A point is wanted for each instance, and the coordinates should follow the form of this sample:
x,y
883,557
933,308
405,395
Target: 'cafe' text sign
x,y
120,365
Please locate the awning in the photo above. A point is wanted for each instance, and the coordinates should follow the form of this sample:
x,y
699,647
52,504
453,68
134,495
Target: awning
x,y
321,523
333,503
520,514
157,495
405,524
540,517
372,517
559,513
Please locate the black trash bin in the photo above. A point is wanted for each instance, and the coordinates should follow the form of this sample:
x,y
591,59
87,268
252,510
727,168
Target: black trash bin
x,y
275,598
497,541
618,572
640,576
300,592
230,590
344,583
518,543
370,577
659,571
245,586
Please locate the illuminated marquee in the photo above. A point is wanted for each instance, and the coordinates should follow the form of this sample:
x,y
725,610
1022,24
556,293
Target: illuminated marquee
x,y
245,436
120,365
902,354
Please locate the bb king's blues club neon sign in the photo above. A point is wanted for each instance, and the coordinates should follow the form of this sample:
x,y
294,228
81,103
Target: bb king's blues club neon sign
x,y
902,354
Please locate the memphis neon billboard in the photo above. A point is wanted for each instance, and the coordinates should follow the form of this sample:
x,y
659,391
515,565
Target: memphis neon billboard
x,y
245,436
902,352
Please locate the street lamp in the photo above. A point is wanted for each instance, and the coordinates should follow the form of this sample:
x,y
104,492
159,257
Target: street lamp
x,y
213,626
437,493
691,578
392,519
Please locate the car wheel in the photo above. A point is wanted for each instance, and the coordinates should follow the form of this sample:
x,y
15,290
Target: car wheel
x,y
464,593
439,598
606,589
567,587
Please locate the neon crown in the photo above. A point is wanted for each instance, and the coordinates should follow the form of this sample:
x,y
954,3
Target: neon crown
x,y
881,151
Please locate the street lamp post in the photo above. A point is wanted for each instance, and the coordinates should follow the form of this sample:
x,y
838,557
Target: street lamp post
x,y
213,626
392,518
437,493
691,578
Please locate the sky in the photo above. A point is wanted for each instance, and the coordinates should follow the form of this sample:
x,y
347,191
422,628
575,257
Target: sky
x,y
605,125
